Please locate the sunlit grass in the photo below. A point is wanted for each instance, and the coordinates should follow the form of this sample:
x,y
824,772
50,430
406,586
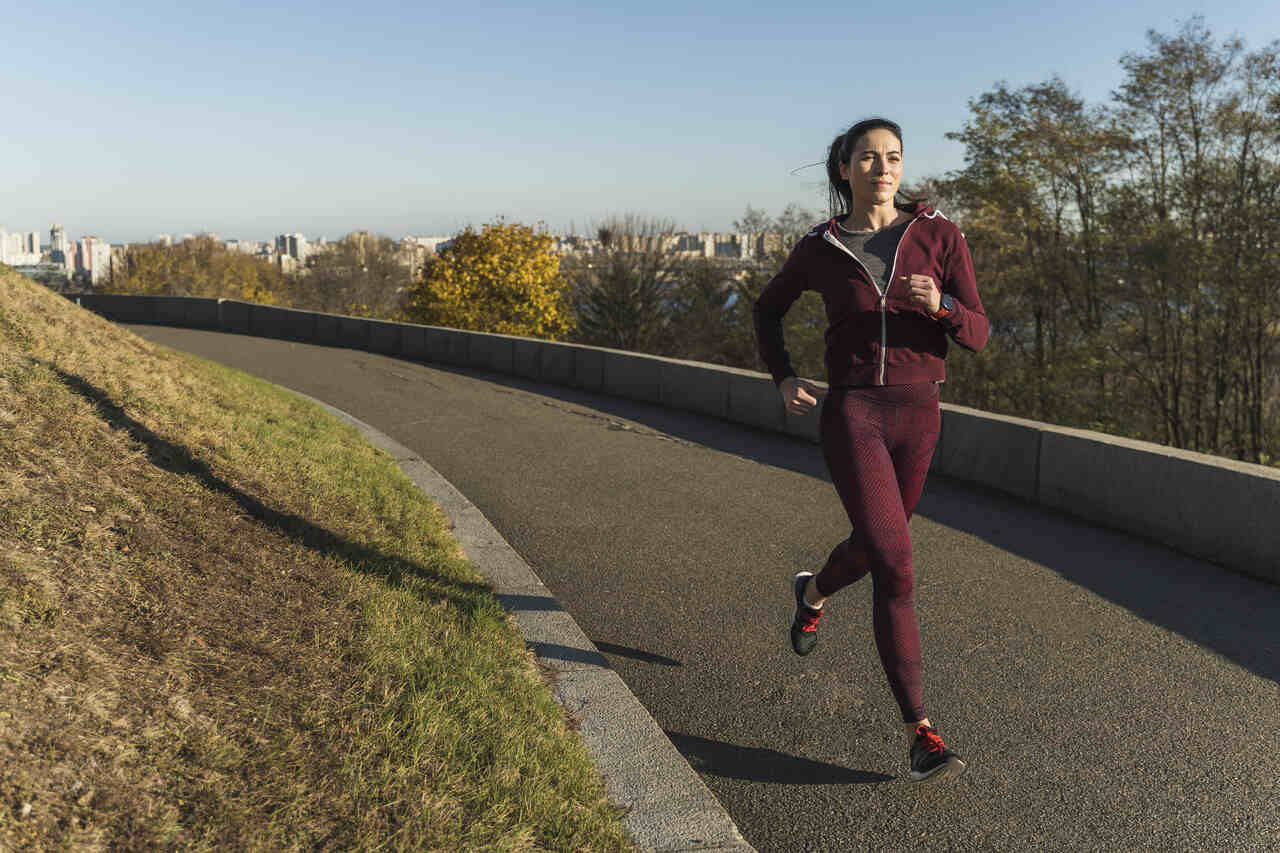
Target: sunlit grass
x,y
228,622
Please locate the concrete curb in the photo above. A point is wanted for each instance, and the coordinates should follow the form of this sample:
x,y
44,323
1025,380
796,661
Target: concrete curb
x,y
669,807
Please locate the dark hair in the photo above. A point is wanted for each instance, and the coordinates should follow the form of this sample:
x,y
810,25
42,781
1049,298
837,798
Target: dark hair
x,y
841,198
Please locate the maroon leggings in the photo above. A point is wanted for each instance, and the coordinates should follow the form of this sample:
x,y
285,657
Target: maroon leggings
x,y
878,442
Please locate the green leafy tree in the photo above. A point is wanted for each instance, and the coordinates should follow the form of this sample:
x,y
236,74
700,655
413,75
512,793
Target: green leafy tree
x,y
1126,254
504,278
1199,247
1036,163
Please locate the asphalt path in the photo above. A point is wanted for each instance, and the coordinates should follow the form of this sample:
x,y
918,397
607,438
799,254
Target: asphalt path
x,y
1107,693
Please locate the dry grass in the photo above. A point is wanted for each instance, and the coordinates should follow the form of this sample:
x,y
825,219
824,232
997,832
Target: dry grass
x,y
227,622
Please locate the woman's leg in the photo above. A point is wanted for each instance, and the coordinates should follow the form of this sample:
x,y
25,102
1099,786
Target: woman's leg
x,y
846,564
916,431
877,459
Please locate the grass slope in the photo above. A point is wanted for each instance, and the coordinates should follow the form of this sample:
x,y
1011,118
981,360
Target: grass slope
x,y
228,622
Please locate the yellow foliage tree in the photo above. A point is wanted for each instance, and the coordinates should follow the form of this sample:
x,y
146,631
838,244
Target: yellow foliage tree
x,y
504,279
200,266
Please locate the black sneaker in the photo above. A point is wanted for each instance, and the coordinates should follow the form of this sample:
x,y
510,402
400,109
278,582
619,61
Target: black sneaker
x,y
804,624
930,758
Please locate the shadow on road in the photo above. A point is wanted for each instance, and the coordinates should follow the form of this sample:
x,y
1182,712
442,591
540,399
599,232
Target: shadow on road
x,y
766,765
568,654
1232,614
636,654
514,602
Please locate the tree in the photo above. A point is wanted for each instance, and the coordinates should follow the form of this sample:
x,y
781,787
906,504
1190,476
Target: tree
x,y
805,324
621,290
753,222
199,266
1127,253
1199,248
361,275
1036,163
504,278
699,315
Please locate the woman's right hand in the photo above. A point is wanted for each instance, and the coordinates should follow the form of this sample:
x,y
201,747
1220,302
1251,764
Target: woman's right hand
x,y
800,395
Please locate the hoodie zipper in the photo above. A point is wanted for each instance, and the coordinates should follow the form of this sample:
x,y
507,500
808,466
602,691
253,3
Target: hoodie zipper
x,y
884,292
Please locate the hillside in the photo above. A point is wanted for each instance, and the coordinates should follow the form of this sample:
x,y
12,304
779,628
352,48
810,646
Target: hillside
x,y
226,621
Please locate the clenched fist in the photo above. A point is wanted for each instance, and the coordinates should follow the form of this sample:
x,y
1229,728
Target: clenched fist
x,y
921,292
800,395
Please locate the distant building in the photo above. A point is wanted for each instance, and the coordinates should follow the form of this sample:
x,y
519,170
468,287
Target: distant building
x,y
244,247
574,244
58,246
431,244
724,246
14,249
93,258
767,243
293,246
728,246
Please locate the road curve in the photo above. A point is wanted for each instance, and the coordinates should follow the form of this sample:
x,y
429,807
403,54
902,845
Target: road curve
x,y
1107,693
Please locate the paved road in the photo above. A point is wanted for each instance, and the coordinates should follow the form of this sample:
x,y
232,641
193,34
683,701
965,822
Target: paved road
x,y
1108,694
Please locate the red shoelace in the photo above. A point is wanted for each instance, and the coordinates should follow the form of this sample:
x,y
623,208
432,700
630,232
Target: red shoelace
x,y
809,619
932,742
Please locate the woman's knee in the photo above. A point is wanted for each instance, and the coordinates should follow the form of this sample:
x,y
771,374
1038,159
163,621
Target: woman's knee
x,y
896,576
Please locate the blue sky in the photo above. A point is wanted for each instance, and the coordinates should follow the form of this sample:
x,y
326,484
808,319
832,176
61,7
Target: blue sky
x,y
252,120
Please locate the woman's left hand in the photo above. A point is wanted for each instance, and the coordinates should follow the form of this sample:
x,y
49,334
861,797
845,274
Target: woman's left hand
x,y
923,292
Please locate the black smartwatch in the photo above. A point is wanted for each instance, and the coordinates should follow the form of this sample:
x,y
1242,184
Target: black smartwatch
x,y
947,306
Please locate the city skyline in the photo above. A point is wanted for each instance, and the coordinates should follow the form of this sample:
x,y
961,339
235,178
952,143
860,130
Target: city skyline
x,y
95,260
256,121
34,239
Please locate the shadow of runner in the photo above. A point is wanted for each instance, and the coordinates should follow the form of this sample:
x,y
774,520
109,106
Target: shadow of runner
x,y
635,654
177,459
519,602
568,654
766,765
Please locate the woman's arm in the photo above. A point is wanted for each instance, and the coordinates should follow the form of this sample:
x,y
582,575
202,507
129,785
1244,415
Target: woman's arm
x,y
967,324
773,304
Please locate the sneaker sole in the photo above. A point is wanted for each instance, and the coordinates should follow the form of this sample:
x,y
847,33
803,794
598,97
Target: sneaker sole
x,y
952,768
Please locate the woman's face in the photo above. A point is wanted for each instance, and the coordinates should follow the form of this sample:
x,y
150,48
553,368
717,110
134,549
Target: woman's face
x,y
874,169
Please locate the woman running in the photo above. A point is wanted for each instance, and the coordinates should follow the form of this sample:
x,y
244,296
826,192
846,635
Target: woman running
x,y
897,281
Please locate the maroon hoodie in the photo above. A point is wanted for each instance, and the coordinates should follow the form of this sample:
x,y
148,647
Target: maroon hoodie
x,y
874,338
